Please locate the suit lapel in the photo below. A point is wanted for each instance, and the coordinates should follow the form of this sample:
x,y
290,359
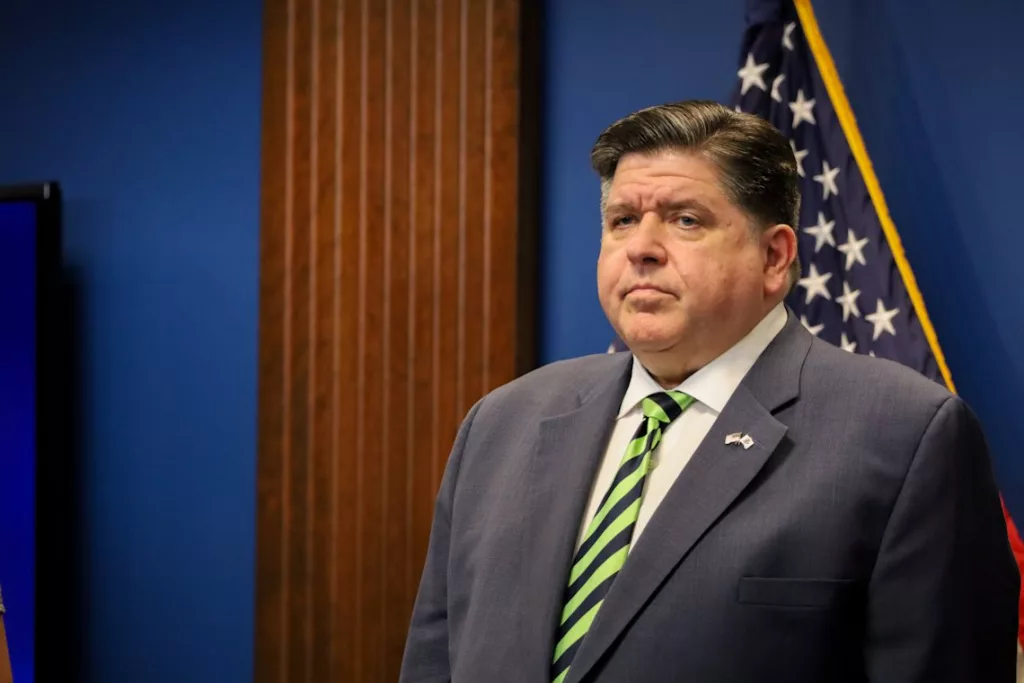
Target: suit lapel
x,y
715,476
563,467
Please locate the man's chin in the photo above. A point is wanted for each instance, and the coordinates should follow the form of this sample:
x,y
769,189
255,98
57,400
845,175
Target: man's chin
x,y
649,343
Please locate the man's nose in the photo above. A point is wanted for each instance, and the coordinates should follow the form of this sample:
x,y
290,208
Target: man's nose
x,y
646,244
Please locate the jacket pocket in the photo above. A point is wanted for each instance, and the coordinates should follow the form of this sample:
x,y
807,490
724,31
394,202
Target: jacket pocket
x,y
778,592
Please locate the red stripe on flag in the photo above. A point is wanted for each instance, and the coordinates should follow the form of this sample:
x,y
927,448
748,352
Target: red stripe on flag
x,y
1018,554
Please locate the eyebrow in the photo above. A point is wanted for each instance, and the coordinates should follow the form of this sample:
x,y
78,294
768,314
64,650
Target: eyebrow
x,y
666,206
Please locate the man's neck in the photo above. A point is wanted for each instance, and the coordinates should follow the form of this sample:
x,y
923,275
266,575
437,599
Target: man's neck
x,y
670,368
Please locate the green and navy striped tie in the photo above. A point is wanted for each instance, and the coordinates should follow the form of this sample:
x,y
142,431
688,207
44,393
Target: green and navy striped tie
x,y
606,543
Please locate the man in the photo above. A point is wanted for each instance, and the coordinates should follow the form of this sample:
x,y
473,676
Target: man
x,y
735,500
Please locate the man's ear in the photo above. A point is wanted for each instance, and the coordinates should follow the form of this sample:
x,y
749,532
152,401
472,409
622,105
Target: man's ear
x,y
779,247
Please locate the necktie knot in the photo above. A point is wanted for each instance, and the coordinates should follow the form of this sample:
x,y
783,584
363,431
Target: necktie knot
x,y
666,406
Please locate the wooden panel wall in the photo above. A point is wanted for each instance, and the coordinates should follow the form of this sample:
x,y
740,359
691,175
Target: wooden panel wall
x,y
396,289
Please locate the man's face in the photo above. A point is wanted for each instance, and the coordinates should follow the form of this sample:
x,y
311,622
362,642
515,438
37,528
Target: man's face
x,y
682,276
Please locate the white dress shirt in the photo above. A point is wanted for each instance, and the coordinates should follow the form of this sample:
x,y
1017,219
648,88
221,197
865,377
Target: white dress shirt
x,y
711,386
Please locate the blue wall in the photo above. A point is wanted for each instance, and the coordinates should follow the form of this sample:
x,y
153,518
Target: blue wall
x,y
148,115
18,296
937,94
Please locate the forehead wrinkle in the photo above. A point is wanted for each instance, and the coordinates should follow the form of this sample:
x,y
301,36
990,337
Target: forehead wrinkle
x,y
658,199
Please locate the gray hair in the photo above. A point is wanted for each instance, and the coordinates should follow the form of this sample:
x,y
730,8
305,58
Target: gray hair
x,y
757,168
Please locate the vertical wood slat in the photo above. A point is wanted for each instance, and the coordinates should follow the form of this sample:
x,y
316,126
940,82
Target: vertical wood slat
x,y
397,508
272,529
299,471
348,621
421,456
391,300
323,185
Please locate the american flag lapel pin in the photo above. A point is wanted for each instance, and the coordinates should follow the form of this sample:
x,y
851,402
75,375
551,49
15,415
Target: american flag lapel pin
x,y
740,438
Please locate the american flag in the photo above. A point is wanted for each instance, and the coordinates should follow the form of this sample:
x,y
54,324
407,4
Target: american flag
x,y
852,292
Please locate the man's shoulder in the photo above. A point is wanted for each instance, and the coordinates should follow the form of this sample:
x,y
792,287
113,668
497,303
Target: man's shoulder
x,y
553,389
573,375
880,381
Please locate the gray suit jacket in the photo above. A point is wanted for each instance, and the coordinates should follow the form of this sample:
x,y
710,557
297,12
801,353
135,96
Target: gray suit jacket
x,y
860,539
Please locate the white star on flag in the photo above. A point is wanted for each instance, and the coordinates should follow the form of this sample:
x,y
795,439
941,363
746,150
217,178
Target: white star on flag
x,y
847,345
813,329
849,301
815,284
882,320
854,249
787,35
799,154
752,74
803,110
827,179
775,87
822,232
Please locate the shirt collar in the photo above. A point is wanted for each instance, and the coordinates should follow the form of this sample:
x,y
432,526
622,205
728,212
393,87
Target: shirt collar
x,y
714,384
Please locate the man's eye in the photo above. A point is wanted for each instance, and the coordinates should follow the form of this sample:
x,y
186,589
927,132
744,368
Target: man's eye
x,y
623,221
686,221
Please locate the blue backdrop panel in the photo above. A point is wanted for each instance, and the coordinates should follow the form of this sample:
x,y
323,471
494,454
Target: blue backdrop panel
x,y
17,430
